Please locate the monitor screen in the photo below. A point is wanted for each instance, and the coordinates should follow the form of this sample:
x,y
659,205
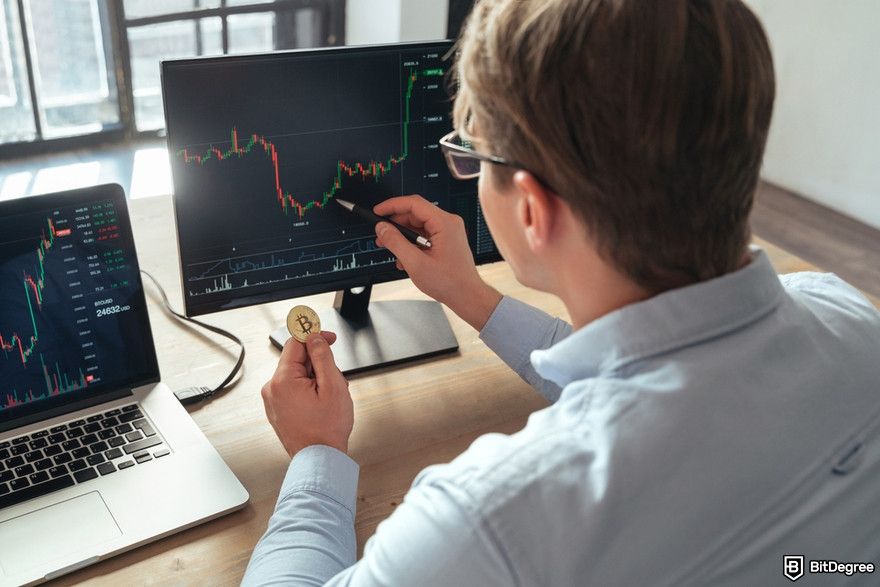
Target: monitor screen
x,y
260,145
73,321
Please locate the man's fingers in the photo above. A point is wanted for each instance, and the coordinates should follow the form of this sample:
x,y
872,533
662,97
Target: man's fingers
x,y
407,219
293,359
403,205
407,253
422,212
428,228
322,360
293,352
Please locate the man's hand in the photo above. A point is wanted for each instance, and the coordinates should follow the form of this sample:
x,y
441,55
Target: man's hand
x,y
307,400
446,271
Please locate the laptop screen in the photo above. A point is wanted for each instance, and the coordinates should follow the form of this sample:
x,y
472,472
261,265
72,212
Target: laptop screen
x,y
74,329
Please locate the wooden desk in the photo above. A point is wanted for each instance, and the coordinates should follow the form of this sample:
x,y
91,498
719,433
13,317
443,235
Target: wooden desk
x,y
406,418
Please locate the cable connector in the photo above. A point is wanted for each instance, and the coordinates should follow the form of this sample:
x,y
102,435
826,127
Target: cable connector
x,y
192,395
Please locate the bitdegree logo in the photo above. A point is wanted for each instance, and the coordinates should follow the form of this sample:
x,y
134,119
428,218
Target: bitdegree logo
x,y
848,569
793,567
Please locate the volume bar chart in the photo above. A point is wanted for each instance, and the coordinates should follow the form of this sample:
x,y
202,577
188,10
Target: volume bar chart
x,y
56,382
279,266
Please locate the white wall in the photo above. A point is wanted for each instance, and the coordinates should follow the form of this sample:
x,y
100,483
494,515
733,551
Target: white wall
x,y
389,21
368,22
422,20
825,136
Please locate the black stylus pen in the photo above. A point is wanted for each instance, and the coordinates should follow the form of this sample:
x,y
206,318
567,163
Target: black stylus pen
x,y
368,215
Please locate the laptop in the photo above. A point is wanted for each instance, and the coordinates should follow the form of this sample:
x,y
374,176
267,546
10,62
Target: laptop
x,y
97,456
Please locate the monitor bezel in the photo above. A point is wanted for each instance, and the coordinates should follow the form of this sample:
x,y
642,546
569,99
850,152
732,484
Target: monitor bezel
x,y
58,406
285,293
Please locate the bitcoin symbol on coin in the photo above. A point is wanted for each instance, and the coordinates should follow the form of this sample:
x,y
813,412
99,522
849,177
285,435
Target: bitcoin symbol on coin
x,y
302,321
304,324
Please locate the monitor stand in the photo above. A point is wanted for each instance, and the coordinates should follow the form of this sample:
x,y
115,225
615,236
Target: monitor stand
x,y
382,333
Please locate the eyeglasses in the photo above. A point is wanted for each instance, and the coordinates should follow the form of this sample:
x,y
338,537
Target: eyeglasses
x,y
464,161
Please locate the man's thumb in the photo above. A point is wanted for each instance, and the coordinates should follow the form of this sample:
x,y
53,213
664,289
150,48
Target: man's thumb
x,y
321,357
394,241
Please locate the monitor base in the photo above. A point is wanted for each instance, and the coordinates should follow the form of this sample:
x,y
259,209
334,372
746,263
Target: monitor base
x,y
386,333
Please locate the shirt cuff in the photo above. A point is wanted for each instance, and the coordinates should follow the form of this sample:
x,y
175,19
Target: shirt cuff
x,y
325,470
513,330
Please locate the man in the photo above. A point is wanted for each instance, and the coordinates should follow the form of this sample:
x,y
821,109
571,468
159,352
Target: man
x,y
708,416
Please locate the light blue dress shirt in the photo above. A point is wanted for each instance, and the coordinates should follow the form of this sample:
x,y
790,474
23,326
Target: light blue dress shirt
x,y
694,438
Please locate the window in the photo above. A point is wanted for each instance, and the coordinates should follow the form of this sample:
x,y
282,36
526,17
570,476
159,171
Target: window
x,y
88,70
16,110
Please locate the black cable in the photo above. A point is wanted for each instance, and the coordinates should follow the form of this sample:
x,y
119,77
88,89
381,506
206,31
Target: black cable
x,y
192,395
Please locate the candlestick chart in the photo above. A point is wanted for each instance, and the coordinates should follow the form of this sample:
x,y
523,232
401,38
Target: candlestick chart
x,y
364,170
261,146
33,294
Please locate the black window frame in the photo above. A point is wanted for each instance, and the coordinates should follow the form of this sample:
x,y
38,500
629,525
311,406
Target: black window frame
x,y
115,25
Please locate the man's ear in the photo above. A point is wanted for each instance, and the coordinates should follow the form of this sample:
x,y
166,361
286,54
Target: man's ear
x,y
537,211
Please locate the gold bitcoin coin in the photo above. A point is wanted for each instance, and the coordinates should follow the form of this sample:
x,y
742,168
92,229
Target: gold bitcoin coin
x,y
302,321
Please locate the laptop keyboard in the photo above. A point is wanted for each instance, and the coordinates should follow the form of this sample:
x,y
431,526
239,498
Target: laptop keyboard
x,y
76,452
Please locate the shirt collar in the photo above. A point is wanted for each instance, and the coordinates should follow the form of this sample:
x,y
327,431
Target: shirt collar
x,y
665,322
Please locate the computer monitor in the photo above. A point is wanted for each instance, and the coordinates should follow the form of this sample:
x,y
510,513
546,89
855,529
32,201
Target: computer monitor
x,y
260,145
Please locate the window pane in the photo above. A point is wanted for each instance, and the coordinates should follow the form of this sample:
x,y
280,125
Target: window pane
x,y
141,8
75,89
212,36
149,45
308,22
16,115
250,33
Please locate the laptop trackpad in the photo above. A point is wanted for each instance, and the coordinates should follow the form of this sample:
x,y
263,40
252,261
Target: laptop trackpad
x,y
60,530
